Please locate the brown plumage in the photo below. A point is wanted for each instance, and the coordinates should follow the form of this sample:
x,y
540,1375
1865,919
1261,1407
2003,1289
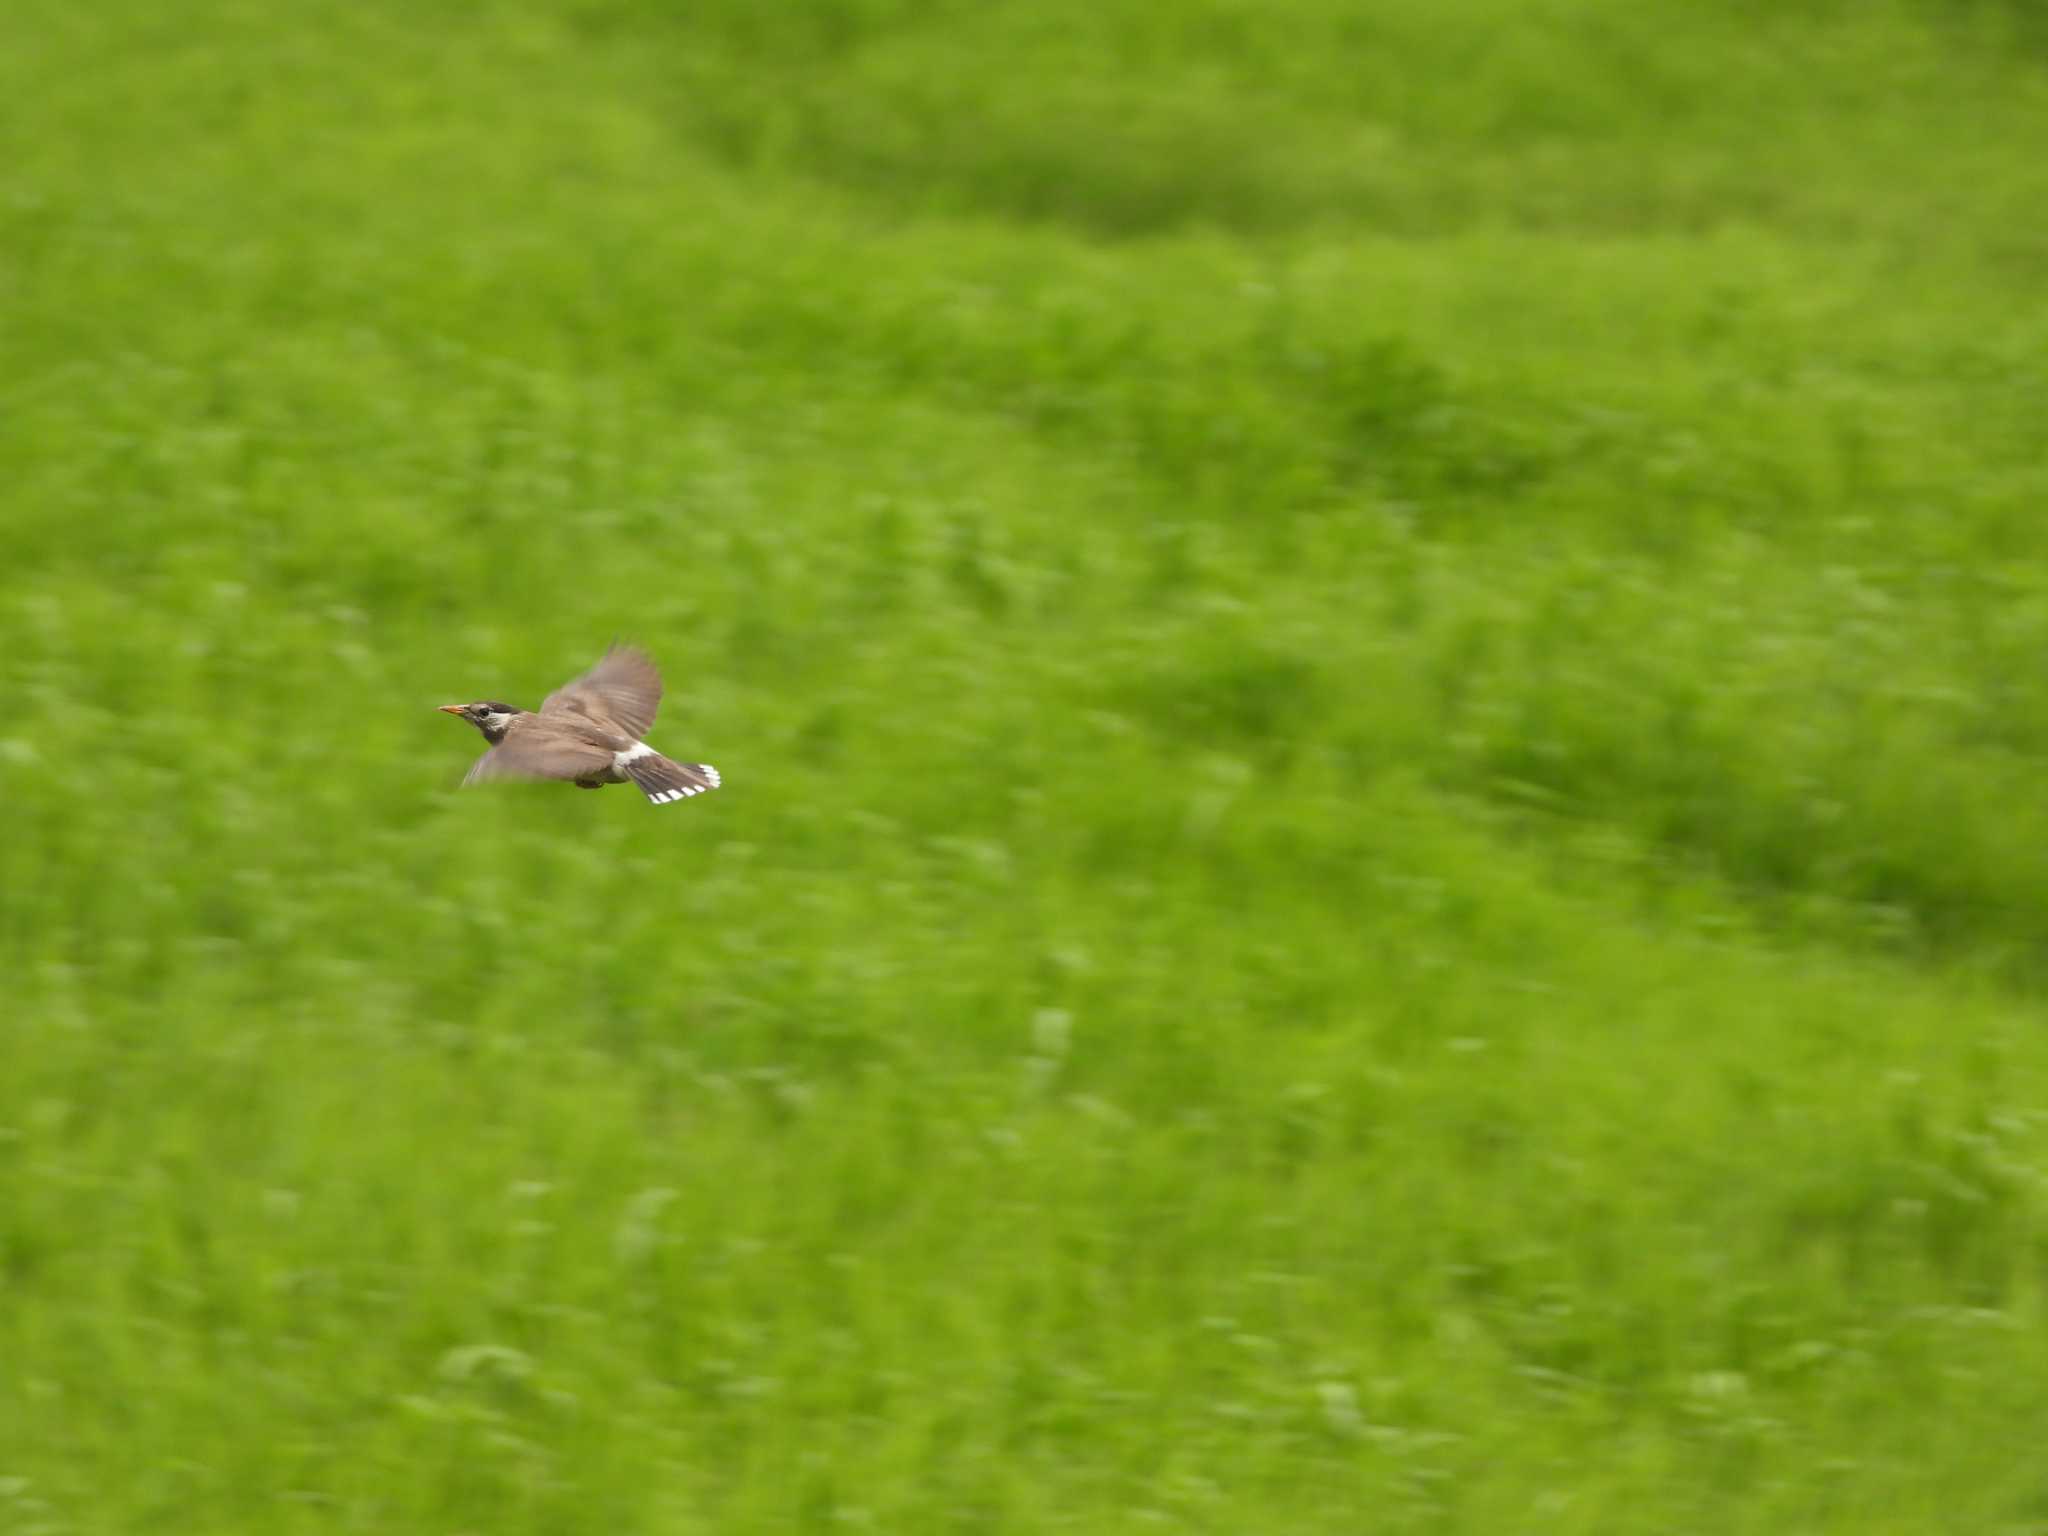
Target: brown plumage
x,y
587,732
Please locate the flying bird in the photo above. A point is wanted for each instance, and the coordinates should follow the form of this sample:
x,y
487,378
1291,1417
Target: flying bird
x,y
588,732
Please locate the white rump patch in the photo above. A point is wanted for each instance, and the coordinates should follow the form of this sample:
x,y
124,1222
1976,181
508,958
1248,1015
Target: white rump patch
x,y
632,754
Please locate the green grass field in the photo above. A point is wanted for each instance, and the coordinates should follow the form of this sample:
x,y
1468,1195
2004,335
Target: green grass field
x,y
1380,676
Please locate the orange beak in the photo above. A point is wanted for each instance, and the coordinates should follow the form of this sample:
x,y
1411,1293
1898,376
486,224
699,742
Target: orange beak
x,y
454,709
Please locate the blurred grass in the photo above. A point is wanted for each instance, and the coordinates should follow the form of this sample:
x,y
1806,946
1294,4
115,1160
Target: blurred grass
x,y
1378,674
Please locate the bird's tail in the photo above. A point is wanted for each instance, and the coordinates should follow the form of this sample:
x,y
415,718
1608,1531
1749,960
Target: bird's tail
x,y
662,781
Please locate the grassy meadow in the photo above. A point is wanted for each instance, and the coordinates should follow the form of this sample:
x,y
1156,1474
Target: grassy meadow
x,y
1379,669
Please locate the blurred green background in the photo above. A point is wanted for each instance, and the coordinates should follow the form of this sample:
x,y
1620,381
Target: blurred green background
x,y
1379,670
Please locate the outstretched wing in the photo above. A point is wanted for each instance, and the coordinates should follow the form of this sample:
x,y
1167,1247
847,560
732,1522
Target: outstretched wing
x,y
622,691
539,749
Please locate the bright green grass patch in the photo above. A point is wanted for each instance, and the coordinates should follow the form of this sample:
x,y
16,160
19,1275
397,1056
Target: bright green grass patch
x,y
1378,679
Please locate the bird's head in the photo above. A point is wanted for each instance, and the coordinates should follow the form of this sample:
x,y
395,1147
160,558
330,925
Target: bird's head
x,y
488,716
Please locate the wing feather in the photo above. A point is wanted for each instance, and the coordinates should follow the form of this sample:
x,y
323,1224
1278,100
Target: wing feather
x,y
537,749
622,691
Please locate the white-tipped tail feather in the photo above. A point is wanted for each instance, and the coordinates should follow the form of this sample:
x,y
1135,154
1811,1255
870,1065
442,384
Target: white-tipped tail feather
x,y
660,779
